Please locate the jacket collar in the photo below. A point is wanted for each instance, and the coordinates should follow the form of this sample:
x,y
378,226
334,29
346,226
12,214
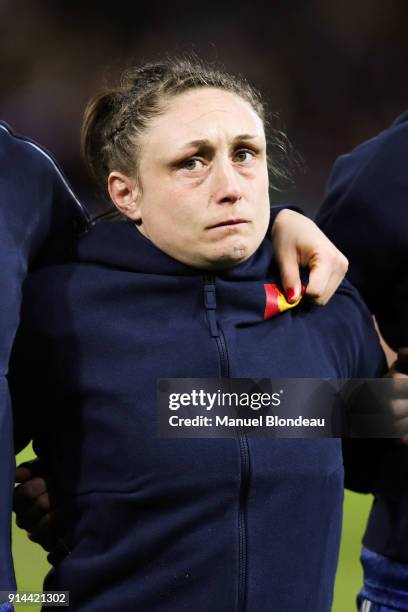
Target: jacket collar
x,y
119,244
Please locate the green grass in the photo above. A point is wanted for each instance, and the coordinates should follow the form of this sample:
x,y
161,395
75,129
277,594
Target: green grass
x,y
349,574
31,564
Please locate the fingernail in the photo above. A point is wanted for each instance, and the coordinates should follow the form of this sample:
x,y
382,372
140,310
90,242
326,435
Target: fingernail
x,y
290,295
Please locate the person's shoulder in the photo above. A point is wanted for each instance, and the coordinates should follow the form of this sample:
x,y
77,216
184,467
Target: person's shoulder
x,y
365,209
17,150
395,136
23,159
374,163
38,206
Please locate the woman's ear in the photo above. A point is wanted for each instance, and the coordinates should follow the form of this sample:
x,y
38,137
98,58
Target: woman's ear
x,y
125,194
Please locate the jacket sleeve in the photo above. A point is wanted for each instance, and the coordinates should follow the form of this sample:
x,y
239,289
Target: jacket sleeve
x,y
365,213
38,212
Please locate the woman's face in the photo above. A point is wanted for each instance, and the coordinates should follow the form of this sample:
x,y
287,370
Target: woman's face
x,y
204,181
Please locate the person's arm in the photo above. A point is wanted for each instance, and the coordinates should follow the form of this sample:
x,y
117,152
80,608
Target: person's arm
x,y
37,208
299,243
365,213
16,225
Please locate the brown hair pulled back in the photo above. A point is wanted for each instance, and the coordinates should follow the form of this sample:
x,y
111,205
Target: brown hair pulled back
x,y
115,119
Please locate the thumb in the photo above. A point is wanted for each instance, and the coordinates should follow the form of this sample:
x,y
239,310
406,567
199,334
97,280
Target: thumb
x,y
289,272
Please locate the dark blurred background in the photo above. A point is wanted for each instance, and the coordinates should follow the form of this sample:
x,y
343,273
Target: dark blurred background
x,y
336,70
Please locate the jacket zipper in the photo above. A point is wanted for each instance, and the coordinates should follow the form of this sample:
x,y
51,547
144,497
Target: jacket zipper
x,y
216,332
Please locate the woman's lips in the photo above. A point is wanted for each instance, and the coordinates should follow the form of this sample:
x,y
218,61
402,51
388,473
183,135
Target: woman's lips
x,y
228,222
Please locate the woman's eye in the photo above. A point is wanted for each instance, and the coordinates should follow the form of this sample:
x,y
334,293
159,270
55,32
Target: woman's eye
x,y
192,164
245,155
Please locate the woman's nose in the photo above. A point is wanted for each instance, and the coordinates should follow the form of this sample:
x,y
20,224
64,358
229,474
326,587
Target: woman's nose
x,y
226,186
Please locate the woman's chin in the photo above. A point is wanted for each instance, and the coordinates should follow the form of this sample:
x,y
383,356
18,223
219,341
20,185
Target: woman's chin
x,y
228,256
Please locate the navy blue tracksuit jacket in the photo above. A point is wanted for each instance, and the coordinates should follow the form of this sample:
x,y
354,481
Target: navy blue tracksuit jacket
x,y
365,213
175,525
39,217
38,212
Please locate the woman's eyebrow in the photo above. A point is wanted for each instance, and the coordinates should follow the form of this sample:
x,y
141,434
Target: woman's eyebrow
x,y
205,143
244,137
197,144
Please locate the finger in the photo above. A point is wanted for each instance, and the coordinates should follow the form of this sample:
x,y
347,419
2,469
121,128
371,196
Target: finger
x,y
26,494
34,467
319,277
45,533
290,276
24,472
331,288
328,267
29,518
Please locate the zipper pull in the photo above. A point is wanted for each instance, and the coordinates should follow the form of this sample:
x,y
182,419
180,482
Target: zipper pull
x,y
210,303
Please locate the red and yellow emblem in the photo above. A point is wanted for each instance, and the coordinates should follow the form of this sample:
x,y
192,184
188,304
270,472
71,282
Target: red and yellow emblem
x,y
276,301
